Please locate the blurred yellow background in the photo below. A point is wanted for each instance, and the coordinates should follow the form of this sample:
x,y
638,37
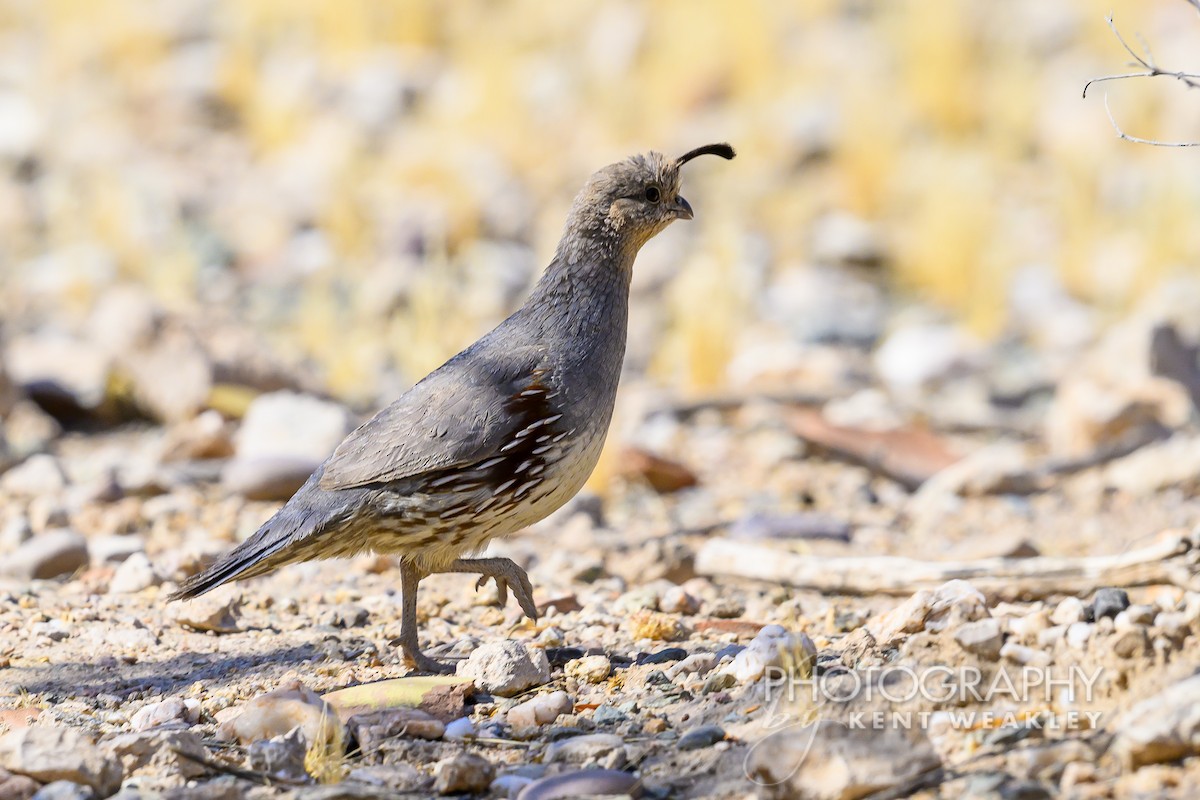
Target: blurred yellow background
x,y
374,184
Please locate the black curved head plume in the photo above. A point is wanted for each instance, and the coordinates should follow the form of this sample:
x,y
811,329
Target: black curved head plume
x,y
723,150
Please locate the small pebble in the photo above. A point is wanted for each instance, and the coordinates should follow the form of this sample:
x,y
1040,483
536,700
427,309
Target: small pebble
x,y
463,773
677,601
703,736
663,656
1109,602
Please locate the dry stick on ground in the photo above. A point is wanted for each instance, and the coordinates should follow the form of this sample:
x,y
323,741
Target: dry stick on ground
x,y
1152,70
1170,560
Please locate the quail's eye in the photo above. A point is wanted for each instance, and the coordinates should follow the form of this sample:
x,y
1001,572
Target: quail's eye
x,y
652,194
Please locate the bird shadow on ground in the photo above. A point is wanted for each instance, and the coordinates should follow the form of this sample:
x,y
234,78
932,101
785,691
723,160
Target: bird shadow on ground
x,y
109,675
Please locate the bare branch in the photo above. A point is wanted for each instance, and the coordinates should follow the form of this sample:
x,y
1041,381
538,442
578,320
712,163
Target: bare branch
x,y
1123,135
1152,70
1189,79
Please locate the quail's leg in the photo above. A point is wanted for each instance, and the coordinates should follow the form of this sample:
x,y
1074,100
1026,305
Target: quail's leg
x,y
506,574
410,576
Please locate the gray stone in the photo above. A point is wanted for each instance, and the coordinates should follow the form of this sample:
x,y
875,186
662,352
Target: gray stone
x,y
52,753
281,757
48,555
156,753
582,783
40,474
399,777
602,749
702,736
1109,602
1163,727
983,637
506,668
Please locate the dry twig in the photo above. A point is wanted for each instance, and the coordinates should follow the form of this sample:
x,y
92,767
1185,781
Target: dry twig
x,y
1171,560
1150,70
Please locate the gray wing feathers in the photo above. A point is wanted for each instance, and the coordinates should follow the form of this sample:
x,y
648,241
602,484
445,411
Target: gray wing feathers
x,y
457,415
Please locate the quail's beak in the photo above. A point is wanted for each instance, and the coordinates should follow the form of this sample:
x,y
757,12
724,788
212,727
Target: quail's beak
x,y
682,209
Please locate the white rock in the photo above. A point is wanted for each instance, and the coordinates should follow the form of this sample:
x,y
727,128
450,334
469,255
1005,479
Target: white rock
x,y
459,730
39,474
283,438
133,575
286,424
506,668
156,752
1078,634
915,356
171,375
1025,656
1068,611
1029,626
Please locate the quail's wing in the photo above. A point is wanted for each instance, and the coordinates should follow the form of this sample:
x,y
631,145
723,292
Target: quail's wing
x,y
462,413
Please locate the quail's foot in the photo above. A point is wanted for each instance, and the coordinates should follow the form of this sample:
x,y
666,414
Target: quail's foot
x,y
413,657
506,574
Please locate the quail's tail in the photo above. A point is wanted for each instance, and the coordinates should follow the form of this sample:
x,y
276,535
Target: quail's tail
x,y
263,552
